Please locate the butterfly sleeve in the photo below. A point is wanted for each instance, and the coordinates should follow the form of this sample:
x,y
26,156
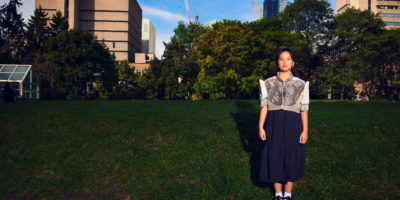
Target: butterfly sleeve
x,y
305,98
263,93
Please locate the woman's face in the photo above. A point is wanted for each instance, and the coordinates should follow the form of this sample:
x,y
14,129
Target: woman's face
x,y
285,61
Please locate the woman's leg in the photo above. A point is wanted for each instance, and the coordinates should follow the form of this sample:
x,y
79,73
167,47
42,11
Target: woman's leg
x,y
289,186
278,187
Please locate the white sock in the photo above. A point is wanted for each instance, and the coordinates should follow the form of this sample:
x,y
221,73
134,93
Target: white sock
x,y
279,194
287,194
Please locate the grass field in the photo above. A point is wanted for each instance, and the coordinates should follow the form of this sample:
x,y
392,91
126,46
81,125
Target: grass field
x,y
189,150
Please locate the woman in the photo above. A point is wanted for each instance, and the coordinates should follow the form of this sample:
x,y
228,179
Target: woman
x,y
283,124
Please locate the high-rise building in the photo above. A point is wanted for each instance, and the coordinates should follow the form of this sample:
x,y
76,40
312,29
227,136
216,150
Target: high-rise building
x,y
389,10
148,37
261,12
117,22
273,7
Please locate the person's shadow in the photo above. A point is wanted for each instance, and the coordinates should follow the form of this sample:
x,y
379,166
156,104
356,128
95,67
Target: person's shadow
x,y
246,119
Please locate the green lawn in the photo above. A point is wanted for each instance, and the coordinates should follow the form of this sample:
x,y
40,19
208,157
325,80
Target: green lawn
x,y
189,150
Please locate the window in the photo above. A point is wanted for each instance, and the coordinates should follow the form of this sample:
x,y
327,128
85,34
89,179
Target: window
x,y
391,7
139,72
114,44
392,23
369,4
388,15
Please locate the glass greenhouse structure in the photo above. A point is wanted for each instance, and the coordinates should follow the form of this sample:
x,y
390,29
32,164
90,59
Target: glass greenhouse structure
x,y
20,79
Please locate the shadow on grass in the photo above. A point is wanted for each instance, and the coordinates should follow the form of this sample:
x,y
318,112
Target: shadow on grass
x,y
246,119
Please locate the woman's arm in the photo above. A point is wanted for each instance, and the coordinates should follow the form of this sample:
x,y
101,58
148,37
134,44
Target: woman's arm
x,y
263,116
304,134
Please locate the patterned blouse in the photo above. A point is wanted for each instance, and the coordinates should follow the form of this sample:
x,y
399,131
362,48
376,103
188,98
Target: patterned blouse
x,y
292,94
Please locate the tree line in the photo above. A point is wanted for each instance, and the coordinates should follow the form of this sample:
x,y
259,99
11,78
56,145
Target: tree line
x,y
68,64
225,61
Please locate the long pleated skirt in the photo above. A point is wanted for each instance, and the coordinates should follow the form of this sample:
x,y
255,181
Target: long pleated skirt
x,y
283,156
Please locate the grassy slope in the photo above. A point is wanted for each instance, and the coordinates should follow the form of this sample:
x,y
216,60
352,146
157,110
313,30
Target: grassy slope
x,y
189,149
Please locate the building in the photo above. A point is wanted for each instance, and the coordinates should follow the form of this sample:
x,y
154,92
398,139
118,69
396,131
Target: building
x,y
148,37
142,62
261,12
117,22
389,10
273,7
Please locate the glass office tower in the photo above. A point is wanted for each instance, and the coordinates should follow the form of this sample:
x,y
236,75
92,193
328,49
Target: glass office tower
x,y
273,7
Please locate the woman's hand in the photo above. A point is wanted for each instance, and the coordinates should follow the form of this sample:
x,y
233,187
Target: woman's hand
x,y
303,137
261,134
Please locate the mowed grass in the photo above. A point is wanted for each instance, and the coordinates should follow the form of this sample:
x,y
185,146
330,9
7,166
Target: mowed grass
x,y
189,150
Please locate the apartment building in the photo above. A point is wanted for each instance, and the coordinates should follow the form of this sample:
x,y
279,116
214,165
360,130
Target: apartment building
x,y
118,22
389,10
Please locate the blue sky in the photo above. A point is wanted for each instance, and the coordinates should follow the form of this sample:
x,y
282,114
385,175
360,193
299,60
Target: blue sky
x,y
165,14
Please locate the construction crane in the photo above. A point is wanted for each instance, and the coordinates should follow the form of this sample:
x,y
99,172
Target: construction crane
x,y
255,10
187,10
196,19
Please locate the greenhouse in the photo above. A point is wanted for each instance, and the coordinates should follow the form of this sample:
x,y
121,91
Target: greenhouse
x,y
20,80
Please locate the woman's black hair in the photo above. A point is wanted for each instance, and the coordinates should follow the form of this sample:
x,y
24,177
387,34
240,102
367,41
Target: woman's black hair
x,y
276,65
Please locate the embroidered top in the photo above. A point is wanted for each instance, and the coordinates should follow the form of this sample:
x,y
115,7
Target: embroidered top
x,y
292,94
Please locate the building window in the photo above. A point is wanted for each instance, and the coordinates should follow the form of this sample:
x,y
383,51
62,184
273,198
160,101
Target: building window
x,y
114,44
66,14
392,23
369,4
391,7
139,72
388,15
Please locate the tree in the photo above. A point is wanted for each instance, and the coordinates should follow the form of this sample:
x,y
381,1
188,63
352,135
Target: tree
x,y
356,56
58,24
75,66
312,18
37,33
174,76
234,55
127,81
11,32
151,84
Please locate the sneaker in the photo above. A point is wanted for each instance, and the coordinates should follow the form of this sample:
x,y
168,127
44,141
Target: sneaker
x,y
286,198
277,198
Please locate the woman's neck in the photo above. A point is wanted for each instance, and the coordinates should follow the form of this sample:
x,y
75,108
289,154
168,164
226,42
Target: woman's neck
x,y
284,75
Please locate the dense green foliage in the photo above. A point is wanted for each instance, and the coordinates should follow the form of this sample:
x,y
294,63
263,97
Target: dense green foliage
x,y
173,77
234,55
189,150
362,52
312,18
11,32
77,61
68,64
347,56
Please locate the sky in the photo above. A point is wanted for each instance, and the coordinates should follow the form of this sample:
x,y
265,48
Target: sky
x,y
165,14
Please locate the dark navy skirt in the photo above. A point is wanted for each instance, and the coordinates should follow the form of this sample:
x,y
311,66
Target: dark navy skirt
x,y
282,157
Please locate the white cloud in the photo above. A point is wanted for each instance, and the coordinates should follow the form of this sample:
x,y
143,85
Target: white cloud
x,y
163,14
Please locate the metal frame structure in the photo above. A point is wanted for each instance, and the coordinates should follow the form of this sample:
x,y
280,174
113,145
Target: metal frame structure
x,y
23,76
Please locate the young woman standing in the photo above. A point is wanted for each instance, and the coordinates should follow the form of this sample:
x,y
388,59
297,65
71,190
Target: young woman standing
x,y
283,125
